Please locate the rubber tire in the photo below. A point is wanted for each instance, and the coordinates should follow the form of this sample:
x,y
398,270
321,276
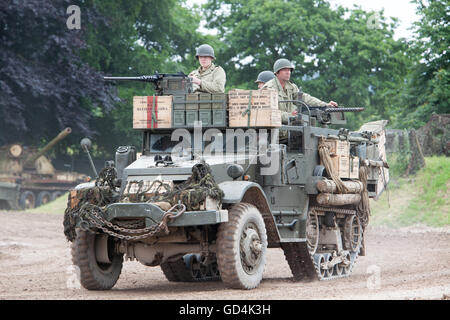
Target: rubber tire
x,y
176,271
228,249
92,276
56,194
23,196
42,196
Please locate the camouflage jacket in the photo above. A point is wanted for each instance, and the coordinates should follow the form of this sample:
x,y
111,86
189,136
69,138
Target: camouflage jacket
x,y
290,92
213,79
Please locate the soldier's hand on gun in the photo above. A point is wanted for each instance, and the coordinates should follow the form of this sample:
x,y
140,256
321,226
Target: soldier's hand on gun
x,y
332,104
196,80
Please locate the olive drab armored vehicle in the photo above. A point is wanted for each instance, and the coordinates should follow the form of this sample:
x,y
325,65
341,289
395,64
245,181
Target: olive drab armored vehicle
x,y
206,213
28,178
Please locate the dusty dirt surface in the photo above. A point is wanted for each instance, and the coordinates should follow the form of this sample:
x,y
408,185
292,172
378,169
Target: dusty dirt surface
x,y
35,263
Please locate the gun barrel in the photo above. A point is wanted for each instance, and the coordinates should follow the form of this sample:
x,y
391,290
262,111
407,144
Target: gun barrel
x,y
121,78
325,107
344,109
49,145
152,78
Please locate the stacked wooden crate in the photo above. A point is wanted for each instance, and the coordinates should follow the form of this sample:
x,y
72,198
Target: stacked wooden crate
x,y
246,108
253,108
152,112
345,166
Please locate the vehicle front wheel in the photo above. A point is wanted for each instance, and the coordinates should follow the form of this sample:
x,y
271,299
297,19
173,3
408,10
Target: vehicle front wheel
x,y
242,247
99,265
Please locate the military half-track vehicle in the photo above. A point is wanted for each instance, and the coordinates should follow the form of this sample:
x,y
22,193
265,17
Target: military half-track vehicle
x,y
203,214
28,178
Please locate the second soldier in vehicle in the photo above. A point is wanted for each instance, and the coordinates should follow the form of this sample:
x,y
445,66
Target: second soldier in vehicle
x,y
264,77
208,77
289,91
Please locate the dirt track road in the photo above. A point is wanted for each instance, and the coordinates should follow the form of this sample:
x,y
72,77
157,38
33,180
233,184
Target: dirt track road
x,y
35,263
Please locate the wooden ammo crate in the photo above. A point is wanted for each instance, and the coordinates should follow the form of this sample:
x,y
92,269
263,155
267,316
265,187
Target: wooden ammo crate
x,y
145,117
266,98
263,109
341,166
338,147
354,168
258,118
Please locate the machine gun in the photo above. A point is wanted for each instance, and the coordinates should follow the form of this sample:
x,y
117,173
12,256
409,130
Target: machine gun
x,y
324,115
165,83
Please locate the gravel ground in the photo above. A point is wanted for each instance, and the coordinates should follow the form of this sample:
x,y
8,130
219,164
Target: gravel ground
x,y
35,263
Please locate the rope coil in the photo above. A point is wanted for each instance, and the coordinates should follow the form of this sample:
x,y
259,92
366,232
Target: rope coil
x,y
363,209
324,153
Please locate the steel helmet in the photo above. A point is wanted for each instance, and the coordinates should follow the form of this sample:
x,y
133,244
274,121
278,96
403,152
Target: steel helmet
x,y
265,76
205,50
281,64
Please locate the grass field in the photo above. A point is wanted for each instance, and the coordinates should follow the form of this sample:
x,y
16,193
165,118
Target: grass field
x,y
56,206
422,199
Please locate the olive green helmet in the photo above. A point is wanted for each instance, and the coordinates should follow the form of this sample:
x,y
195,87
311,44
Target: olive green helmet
x,y
281,64
265,76
205,50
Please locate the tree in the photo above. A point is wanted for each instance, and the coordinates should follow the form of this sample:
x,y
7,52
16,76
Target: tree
x,y
426,90
51,77
136,38
44,84
338,54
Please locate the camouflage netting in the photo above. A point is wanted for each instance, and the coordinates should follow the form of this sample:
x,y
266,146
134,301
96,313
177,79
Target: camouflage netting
x,y
191,193
98,196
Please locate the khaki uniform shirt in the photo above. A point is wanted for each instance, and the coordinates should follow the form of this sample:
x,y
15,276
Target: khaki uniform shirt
x,y
213,79
290,92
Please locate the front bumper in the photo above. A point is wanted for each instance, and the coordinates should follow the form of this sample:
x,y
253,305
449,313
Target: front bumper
x,y
153,215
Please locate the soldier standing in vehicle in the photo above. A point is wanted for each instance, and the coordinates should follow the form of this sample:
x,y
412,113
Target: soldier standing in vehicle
x,y
289,91
208,77
264,77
